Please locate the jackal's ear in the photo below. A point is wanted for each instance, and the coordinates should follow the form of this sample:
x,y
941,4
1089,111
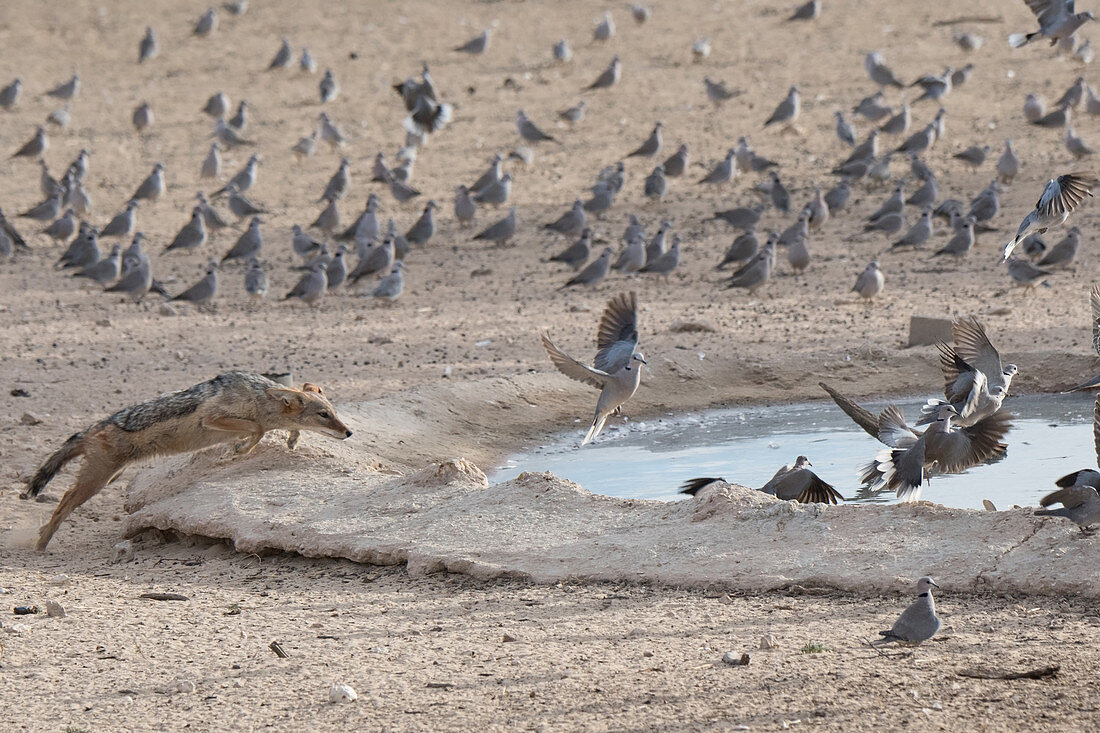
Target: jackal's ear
x,y
293,399
307,387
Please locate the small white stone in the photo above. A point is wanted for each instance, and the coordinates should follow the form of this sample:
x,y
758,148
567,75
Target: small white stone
x,y
122,552
59,579
55,609
769,642
342,693
185,686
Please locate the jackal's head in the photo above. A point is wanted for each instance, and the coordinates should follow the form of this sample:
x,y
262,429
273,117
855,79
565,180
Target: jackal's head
x,y
308,409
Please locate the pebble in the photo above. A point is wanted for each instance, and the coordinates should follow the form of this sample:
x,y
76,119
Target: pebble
x,y
29,418
166,309
185,686
735,659
122,552
59,579
342,693
55,609
769,642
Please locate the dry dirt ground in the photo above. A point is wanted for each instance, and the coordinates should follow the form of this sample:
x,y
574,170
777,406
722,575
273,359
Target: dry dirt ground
x,y
429,653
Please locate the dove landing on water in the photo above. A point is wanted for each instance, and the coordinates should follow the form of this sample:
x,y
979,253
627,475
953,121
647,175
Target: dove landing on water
x,y
1060,198
617,368
790,483
918,623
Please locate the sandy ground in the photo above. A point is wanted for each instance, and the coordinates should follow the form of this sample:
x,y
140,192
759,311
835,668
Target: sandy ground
x,y
580,656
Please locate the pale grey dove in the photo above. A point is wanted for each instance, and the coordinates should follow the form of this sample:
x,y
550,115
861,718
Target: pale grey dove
x,y
1060,197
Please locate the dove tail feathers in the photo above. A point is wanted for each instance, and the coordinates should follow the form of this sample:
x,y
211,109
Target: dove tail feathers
x,y
1018,40
597,426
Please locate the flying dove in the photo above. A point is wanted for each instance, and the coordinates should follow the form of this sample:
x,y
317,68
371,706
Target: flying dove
x,y
1057,20
477,45
1061,196
501,231
917,623
594,273
205,289
790,483
976,381
621,372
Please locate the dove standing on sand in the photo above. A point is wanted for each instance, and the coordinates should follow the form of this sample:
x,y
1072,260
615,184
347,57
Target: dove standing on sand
x,y
336,272
594,273
754,274
1077,147
529,131
337,186
391,286
501,231
605,29
248,244
465,207
217,106
844,131
10,93
148,48
807,11
1008,165
1061,196
718,92
255,280
790,483
609,77
676,164
879,72
142,118
651,146
562,52
212,163
283,57
744,247
152,188
205,289
571,222
617,368
328,88
724,172
35,147
961,243
207,23
1024,273
423,229
837,197
66,90
243,179
633,257
330,133
919,233
1064,253
104,271
918,623
973,156
655,183
667,261
496,192
311,287
63,228
193,234
899,123
123,223
477,45
328,221
574,114
576,254
379,258
137,277
870,282
787,111
872,108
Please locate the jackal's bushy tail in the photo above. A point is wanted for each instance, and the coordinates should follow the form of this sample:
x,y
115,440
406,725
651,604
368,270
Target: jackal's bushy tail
x,y
72,448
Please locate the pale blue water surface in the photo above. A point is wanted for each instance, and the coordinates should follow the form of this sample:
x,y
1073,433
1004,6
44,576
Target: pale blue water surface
x,y
1052,436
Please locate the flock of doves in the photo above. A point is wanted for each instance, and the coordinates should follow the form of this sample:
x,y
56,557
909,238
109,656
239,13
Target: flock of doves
x,y
963,430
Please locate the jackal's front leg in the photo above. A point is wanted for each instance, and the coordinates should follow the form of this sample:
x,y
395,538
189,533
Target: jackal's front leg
x,y
238,425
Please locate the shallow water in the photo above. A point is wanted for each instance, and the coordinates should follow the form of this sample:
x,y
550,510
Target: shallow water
x,y
1052,436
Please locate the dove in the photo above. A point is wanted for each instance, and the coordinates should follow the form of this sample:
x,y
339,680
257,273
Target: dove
x,y
899,123
152,187
787,110
423,228
48,210
239,121
935,87
465,206
1025,273
59,117
491,175
207,23
83,250
717,91
7,246
330,133
403,192
63,228
248,244
609,77
872,108
205,289
137,275
193,234
986,204
576,254
724,172
605,29
1064,252
895,204
976,382
655,183
1061,196
1057,21
66,90
35,147
11,233
790,483
973,156
801,228
306,64
1008,165
562,52
365,228
574,114
10,93
807,11
1034,108
639,12
836,199
1085,52
666,262
255,280
603,196
283,57
780,197
925,195
328,221
148,47
311,287
870,282
1076,146
754,274
378,258
741,217
391,286
633,257
1059,117
594,273
122,224
918,623
104,271
844,131
919,142
210,215
337,186
700,50
495,193
501,231
1074,94
243,179
961,76
634,229
798,255
476,45
961,243
529,131
142,118
744,247
303,245
656,246
337,271
617,369
879,72
571,222
651,146
677,163
887,224
328,88
968,41
817,210
212,163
